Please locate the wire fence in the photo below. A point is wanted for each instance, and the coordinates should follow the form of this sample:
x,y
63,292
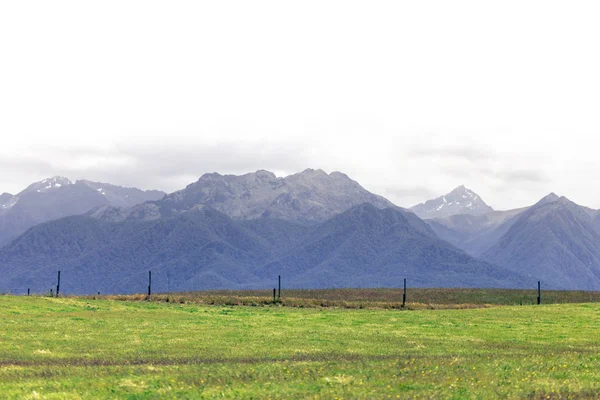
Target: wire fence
x,y
150,283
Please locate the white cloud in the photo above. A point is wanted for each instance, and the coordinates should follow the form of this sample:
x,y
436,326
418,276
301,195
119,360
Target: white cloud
x,y
501,91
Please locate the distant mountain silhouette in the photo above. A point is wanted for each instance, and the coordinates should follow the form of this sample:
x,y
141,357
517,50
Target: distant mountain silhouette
x,y
555,241
203,248
475,234
459,201
58,197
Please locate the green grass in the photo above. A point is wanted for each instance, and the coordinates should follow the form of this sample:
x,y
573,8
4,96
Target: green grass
x,y
72,348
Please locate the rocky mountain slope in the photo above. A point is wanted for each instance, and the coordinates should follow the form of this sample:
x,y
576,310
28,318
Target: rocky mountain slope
x,y
459,201
58,197
555,241
310,196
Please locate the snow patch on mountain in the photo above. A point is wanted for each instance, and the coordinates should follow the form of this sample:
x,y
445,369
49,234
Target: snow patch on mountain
x,y
459,201
58,197
48,184
7,200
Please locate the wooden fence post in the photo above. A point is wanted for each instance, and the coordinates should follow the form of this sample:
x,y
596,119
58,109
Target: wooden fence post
x,y
404,294
58,284
149,283
279,295
539,298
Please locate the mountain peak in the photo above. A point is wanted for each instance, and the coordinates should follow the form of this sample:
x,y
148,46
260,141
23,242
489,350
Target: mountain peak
x,y
61,180
463,192
461,200
211,175
550,198
553,198
263,173
48,184
312,173
338,175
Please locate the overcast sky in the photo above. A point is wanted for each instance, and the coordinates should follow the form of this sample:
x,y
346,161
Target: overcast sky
x,y
409,98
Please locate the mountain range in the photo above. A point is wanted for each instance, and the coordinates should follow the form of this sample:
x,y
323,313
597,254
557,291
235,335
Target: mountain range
x,y
58,197
313,228
203,248
555,241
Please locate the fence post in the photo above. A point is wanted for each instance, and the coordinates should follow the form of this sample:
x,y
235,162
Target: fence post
x,y
404,294
539,298
274,294
51,294
58,284
27,291
149,283
279,295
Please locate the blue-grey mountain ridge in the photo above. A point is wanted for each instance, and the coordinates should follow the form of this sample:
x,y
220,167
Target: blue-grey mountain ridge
x,y
315,229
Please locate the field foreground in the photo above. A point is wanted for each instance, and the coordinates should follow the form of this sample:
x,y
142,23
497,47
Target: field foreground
x,y
82,348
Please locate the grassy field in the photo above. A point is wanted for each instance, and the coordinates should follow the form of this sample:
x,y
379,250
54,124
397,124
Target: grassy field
x,y
71,348
417,299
